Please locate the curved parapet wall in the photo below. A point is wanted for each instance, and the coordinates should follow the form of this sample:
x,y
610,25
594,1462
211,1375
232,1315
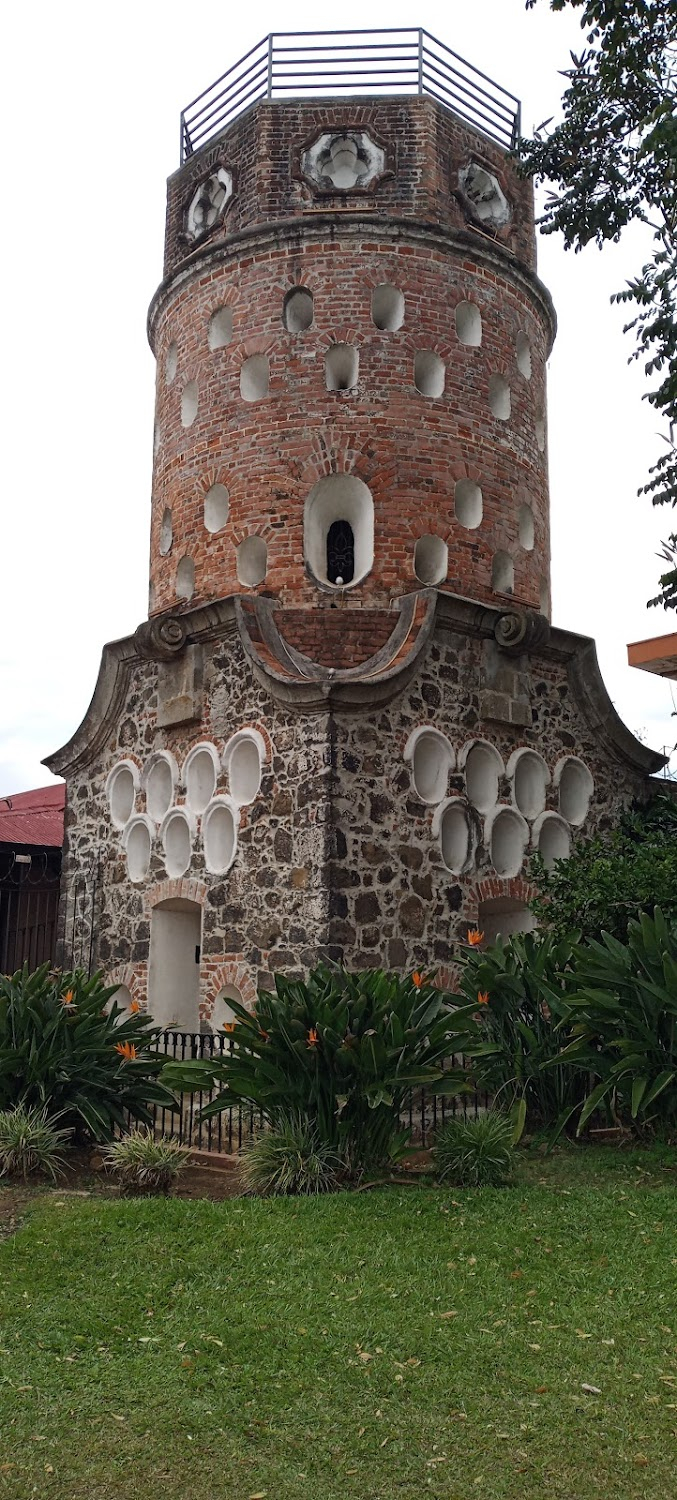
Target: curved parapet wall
x,y
392,332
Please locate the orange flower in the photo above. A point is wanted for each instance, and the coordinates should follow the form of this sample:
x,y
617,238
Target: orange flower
x,y
135,1007
68,998
475,937
418,979
229,1026
312,1038
263,1033
127,1050
482,997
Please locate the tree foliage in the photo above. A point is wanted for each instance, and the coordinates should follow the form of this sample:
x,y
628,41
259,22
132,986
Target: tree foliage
x,y
611,161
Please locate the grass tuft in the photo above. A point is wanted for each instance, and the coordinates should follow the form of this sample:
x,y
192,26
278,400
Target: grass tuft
x,y
475,1153
30,1142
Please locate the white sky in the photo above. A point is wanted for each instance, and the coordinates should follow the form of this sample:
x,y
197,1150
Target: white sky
x,y
90,105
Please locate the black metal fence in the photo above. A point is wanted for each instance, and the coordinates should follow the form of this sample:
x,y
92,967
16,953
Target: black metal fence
x,y
422,1113
29,904
351,63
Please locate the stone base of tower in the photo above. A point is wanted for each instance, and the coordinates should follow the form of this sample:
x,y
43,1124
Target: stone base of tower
x,y
236,807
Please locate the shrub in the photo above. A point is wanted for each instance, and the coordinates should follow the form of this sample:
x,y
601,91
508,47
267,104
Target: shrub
x,y
340,1051
608,880
475,1153
144,1164
290,1159
623,1005
29,1142
521,987
62,1052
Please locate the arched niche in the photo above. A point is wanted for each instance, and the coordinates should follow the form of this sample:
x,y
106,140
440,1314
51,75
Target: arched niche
x,y
243,759
251,561
523,355
539,430
338,497
530,778
138,842
429,373
552,838
216,507
506,836
176,832
499,397
174,963
468,504
575,786
431,758
254,377
122,785
199,775
189,399
223,1012
171,362
220,330
431,559
297,310
166,532
219,834
387,307
341,367
525,522
122,998
502,573
185,578
452,825
468,319
483,770
160,779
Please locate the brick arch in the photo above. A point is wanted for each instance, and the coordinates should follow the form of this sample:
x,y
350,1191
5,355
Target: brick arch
x,y
515,886
204,481
266,530
134,977
185,888
337,335
231,971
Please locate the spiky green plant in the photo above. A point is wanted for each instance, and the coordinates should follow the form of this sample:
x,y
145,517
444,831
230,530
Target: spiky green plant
x,y
341,1051
63,1050
475,1153
290,1159
30,1142
144,1164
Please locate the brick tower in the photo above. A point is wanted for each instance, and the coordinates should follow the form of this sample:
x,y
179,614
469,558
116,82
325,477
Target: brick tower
x,y
347,720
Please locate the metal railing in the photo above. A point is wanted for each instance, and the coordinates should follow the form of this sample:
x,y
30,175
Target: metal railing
x,y
228,1131
351,63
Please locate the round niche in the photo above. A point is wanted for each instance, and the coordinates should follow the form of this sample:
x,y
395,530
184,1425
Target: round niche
x,y
468,503
452,824
138,841
523,355
525,522
431,560
507,836
171,362
199,775
551,838
220,331
297,311
189,404
251,561
387,307
160,777
432,758
177,842
499,398
429,373
216,505
530,777
483,770
122,786
243,759
468,324
576,787
219,835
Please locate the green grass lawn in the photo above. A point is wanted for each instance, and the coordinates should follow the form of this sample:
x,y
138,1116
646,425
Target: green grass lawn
x,y
393,1344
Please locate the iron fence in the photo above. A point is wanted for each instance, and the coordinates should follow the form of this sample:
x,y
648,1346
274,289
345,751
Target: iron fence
x,y
422,1113
29,904
351,63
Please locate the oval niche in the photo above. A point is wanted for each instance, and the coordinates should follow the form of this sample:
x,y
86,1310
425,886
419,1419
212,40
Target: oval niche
x,y
219,835
243,757
483,770
199,774
455,835
138,843
552,839
160,778
122,786
530,776
575,789
507,838
177,841
432,758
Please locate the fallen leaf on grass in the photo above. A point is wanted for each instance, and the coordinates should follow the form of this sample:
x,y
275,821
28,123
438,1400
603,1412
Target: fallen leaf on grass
x,y
583,1335
592,1390
451,1314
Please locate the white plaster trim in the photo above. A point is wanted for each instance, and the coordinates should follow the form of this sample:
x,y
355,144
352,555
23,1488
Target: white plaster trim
x,y
220,801
154,760
122,765
193,752
548,817
506,810
428,731
138,820
234,741
587,781
438,819
486,745
511,771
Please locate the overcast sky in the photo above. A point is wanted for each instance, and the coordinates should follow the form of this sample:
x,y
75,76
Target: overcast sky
x,y
91,101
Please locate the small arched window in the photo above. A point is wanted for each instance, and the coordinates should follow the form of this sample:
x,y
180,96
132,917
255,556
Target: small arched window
x,y
340,553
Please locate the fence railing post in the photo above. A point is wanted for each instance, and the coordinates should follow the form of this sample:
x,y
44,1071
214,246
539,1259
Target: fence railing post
x,y
269,93
420,60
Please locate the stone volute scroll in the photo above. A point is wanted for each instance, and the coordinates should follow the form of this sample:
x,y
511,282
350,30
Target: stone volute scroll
x,y
521,630
162,638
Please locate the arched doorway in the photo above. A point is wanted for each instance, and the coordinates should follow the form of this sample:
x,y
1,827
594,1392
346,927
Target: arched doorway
x,y
174,965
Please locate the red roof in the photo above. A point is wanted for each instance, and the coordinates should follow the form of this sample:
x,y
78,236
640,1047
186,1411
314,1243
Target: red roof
x,y
34,817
